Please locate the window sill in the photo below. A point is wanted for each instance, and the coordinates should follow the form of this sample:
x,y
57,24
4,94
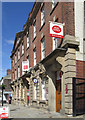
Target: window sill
x,y
33,39
54,8
42,26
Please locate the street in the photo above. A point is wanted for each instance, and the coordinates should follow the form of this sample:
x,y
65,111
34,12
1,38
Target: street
x,y
20,111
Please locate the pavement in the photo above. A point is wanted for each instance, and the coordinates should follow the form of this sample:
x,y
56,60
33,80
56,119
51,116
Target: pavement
x,y
19,111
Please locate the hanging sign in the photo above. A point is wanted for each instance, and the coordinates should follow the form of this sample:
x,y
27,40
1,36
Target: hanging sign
x,y
56,29
35,80
4,112
25,66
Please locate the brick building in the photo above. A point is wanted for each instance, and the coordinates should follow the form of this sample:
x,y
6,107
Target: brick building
x,y
53,62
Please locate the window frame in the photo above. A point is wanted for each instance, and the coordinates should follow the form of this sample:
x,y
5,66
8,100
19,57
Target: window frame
x,y
43,48
42,16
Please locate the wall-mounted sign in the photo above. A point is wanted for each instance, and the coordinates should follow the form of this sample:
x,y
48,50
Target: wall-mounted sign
x,y
25,66
35,80
4,112
56,29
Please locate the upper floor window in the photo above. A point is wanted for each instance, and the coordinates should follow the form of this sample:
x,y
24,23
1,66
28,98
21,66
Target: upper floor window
x,y
22,48
15,74
55,42
42,15
43,48
18,54
34,29
15,58
27,39
34,56
18,71
53,3
28,60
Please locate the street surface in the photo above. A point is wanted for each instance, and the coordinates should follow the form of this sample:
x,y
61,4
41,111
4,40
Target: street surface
x,y
19,111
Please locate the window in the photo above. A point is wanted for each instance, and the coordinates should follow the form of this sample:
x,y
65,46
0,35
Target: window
x,y
27,39
15,58
19,91
18,71
28,60
15,74
53,3
35,91
16,92
43,48
22,48
55,42
18,54
34,56
42,16
43,89
23,91
34,29
13,62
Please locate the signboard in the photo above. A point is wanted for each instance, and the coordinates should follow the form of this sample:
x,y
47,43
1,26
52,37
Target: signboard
x,y
25,66
4,112
56,29
35,80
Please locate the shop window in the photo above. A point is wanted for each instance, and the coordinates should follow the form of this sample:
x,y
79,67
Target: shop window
x,y
42,15
35,91
43,48
23,92
43,89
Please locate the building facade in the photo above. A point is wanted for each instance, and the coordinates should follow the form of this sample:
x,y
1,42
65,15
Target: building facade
x,y
52,62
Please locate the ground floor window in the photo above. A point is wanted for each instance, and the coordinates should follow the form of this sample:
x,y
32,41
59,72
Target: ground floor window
x,y
35,91
43,89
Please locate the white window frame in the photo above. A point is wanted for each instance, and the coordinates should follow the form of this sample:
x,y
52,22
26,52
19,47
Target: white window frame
x,y
18,54
34,25
15,74
22,48
43,89
55,42
42,15
15,58
35,91
18,71
34,56
28,60
23,91
27,40
53,3
43,48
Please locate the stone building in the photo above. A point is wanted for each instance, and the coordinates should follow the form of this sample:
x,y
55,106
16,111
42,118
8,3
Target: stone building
x,y
52,62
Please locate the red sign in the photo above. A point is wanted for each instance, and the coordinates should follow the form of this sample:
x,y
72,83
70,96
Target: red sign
x,y
56,30
25,66
4,112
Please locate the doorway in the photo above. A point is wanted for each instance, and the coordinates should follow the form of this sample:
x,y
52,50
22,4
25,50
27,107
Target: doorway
x,y
58,91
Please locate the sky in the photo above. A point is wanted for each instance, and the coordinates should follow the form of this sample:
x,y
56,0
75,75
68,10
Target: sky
x,y
14,16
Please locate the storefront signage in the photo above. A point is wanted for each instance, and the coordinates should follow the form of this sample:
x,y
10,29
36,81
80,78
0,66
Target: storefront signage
x,y
35,80
25,66
4,112
56,29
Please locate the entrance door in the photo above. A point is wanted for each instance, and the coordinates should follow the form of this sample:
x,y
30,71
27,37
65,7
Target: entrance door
x,y
58,95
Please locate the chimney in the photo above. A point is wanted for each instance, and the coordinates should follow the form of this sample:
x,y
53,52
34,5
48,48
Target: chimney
x,y
8,71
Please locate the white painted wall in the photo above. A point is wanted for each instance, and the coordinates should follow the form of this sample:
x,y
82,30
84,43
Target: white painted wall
x,y
79,28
